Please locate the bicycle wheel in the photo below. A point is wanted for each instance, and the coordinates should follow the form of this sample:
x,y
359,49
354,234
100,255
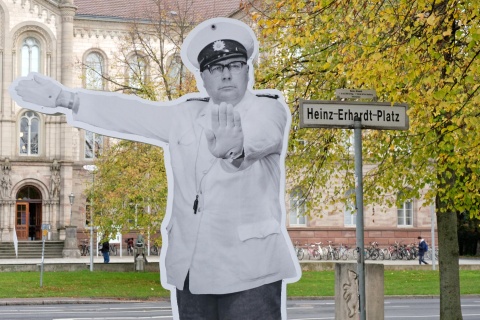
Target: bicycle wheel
x,y
374,254
394,255
300,253
386,254
366,254
335,254
381,256
316,254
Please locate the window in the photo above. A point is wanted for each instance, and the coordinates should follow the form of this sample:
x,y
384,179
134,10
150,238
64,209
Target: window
x,y
30,56
350,214
137,71
29,133
94,69
176,69
297,208
405,214
93,145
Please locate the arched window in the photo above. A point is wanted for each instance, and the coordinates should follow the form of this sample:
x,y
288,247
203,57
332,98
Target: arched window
x,y
29,133
137,71
176,69
94,70
30,56
297,208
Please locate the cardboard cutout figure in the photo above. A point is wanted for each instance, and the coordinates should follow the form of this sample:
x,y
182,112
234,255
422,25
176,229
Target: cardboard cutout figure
x,y
225,241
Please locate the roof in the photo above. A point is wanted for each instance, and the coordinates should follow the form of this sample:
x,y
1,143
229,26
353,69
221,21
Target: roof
x,y
142,9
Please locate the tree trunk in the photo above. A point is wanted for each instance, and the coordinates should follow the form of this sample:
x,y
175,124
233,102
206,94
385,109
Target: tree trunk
x,y
450,307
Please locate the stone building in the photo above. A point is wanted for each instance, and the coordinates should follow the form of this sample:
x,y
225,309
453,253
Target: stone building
x,y
43,160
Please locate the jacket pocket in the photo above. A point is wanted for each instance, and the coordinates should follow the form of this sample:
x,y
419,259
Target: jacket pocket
x,y
257,252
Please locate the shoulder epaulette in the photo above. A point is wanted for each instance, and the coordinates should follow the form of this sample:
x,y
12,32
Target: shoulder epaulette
x,y
271,96
199,99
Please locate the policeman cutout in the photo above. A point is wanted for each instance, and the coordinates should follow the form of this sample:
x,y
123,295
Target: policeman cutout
x,y
227,253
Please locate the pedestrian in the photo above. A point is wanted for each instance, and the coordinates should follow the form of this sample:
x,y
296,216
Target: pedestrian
x,y
106,250
422,248
140,247
228,253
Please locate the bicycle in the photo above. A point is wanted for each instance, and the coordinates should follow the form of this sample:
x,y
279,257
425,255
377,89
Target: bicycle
x,y
321,250
332,252
113,250
299,251
343,252
85,248
129,242
312,251
154,250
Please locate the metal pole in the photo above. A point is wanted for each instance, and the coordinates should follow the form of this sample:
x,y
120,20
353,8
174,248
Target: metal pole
x,y
92,169
43,259
434,259
91,222
357,132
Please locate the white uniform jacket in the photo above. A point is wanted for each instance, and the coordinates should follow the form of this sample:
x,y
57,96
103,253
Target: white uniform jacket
x,y
234,241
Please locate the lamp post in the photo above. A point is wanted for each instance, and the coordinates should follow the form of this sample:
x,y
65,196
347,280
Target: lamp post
x,y
72,198
91,168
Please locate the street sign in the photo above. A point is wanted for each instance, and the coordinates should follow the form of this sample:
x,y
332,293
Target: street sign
x,y
45,226
355,94
341,114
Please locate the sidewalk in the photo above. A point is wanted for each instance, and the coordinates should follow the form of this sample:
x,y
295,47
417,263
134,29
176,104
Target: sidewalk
x,y
155,259
80,260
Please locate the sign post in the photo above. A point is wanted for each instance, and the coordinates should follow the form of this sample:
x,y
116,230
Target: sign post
x,y
45,228
356,116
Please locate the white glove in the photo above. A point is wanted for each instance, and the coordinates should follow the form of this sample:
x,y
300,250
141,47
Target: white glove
x,y
225,140
44,92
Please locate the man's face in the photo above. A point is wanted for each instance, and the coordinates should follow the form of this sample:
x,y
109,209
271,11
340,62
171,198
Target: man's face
x,y
227,85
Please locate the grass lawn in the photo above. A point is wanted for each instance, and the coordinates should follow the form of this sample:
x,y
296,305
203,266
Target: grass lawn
x,y
130,285
123,285
421,282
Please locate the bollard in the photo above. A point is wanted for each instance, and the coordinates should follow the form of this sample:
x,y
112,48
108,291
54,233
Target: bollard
x,y
346,291
139,265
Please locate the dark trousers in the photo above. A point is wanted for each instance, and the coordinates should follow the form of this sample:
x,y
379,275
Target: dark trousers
x,y
262,303
420,259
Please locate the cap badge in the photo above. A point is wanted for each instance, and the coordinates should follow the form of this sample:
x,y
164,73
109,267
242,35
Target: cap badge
x,y
218,45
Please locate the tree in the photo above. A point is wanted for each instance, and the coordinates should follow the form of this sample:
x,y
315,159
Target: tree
x,y
423,53
130,188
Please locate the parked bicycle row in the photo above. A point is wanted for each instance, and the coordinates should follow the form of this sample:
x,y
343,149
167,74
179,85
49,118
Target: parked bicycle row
x,y
329,251
114,248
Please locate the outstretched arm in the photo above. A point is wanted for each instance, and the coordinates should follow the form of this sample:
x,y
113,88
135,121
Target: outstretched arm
x,y
113,114
44,92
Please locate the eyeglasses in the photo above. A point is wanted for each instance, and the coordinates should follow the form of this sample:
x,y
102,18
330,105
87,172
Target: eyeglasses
x,y
233,67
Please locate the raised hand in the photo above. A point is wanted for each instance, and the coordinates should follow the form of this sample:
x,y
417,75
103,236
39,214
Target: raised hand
x,y
40,91
225,140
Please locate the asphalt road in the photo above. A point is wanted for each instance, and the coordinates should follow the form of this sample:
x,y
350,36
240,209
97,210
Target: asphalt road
x,y
395,309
